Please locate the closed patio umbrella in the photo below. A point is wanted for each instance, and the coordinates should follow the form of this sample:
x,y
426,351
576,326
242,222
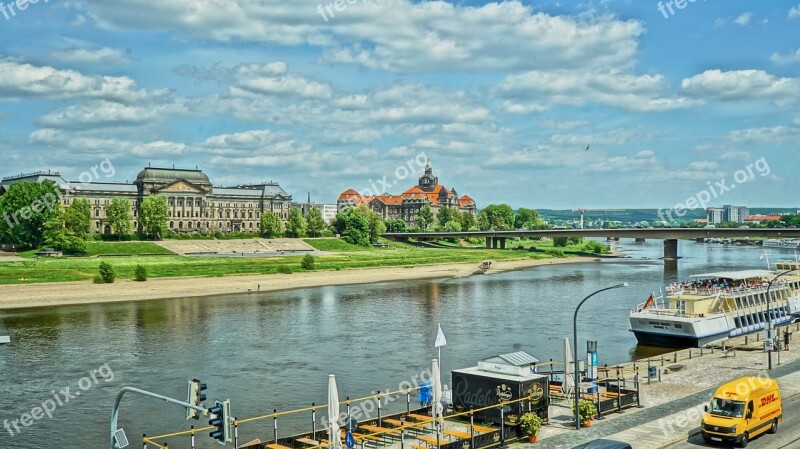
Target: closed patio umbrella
x,y
438,409
333,413
568,384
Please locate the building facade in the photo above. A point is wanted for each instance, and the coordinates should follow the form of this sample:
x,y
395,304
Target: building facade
x,y
195,204
406,206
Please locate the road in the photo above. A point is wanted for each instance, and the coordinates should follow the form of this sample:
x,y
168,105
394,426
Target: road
x,y
788,436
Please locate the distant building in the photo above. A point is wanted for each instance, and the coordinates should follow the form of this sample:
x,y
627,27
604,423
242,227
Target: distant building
x,y
762,218
406,205
195,205
715,215
328,210
735,214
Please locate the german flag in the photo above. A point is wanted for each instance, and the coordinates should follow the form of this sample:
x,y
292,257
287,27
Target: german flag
x,y
651,300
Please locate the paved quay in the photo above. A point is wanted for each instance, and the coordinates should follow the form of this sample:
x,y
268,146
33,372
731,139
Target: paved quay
x,y
672,408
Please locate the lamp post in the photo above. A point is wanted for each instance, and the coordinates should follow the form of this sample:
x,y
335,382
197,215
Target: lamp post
x,y
575,350
769,317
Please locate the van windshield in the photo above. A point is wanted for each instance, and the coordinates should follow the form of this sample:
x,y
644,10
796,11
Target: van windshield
x,y
724,407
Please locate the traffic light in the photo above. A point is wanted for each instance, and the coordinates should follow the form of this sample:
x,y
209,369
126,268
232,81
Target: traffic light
x,y
219,417
195,397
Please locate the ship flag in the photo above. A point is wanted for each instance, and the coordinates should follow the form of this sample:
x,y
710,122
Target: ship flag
x,y
649,302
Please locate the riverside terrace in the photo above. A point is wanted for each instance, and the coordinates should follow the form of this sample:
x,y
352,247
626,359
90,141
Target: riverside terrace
x,y
670,236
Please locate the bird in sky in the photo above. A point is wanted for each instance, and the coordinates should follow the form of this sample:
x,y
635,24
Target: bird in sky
x,y
587,148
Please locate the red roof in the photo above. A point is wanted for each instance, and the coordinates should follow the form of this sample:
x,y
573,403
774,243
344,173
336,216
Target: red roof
x,y
763,218
349,194
389,199
465,201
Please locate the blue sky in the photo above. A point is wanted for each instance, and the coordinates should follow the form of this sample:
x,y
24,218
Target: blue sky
x,y
503,97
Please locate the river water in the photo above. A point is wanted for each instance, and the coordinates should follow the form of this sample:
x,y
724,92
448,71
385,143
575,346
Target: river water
x,y
270,351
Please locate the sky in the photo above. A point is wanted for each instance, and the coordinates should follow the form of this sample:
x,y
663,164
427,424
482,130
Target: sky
x,y
670,97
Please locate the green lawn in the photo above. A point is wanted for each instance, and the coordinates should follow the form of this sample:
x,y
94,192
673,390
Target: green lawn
x,y
84,268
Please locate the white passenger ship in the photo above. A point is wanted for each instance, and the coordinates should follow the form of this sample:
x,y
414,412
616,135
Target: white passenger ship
x,y
782,243
716,306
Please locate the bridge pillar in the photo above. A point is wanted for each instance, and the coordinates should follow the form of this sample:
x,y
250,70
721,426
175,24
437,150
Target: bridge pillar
x,y
700,240
671,249
640,240
488,243
502,242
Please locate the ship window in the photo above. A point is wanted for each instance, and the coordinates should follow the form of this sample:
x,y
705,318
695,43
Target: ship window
x,y
678,326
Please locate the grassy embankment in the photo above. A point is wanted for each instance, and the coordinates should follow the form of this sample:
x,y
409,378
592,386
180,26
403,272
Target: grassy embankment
x,y
124,256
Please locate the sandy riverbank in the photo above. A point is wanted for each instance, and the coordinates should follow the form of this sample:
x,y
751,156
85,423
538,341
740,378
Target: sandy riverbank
x,y
67,293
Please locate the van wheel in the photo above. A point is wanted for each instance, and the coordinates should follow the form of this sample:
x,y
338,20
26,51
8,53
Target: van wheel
x,y
774,427
745,440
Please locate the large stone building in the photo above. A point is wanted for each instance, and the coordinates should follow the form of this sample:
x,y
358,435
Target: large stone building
x,y
195,205
405,206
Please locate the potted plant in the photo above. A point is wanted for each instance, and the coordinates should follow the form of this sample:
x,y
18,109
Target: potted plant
x,y
586,412
530,424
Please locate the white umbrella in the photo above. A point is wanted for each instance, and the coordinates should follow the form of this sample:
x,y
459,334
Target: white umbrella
x,y
437,392
568,383
333,413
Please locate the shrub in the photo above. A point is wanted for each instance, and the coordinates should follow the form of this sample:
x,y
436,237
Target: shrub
x,y
107,273
530,424
97,279
308,262
284,269
554,252
560,241
586,410
140,273
593,246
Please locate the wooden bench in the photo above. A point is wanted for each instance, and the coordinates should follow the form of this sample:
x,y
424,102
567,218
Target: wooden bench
x,y
458,434
484,429
277,446
417,446
308,441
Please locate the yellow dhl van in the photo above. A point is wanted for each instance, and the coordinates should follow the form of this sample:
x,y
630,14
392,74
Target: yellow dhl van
x,y
741,410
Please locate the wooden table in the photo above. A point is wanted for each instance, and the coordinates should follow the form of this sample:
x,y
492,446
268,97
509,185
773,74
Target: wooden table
x,y
308,441
277,446
483,429
432,440
458,434
394,422
421,418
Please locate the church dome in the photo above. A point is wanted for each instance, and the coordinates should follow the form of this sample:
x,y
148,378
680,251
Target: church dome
x,y
165,175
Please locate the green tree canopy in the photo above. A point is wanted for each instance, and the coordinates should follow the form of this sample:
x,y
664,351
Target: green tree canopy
x,y
499,217
270,224
446,215
396,226
78,218
468,221
57,235
24,209
119,216
316,224
296,224
425,217
527,218
359,225
154,214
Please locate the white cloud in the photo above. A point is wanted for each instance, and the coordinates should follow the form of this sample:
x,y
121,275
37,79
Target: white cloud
x,y
273,79
103,55
788,58
644,160
398,36
742,85
104,113
703,165
538,90
775,134
743,19
25,80
794,12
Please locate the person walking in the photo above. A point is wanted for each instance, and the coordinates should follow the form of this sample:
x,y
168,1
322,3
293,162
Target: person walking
x,y
786,337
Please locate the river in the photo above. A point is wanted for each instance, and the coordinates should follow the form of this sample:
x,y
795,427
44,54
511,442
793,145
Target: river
x,y
268,351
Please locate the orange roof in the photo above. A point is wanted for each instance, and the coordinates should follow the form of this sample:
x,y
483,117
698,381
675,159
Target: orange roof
x,y
389,199
465,201
349,194
763,218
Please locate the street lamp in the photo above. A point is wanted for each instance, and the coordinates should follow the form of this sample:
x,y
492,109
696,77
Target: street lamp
x,y
575,350
769,317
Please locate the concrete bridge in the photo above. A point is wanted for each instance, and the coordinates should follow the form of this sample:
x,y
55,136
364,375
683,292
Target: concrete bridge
x,y
670,236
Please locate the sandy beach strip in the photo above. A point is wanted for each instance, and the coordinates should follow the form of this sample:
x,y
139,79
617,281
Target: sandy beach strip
x,y
69,293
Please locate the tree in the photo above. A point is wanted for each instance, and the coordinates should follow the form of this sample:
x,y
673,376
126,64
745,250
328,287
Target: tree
x,y
271,225
376,226
527,218
453,226
154,213
296,224
560,241
353,223
107,273
78,218
446,215
316,224
119,217
424,217
468,221
24,209
396,226
499,217
56,235
140,273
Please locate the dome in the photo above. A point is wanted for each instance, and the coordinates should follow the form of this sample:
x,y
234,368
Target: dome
x,y
166,175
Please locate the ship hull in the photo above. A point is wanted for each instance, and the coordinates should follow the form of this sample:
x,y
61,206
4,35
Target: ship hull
x,y
676,341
